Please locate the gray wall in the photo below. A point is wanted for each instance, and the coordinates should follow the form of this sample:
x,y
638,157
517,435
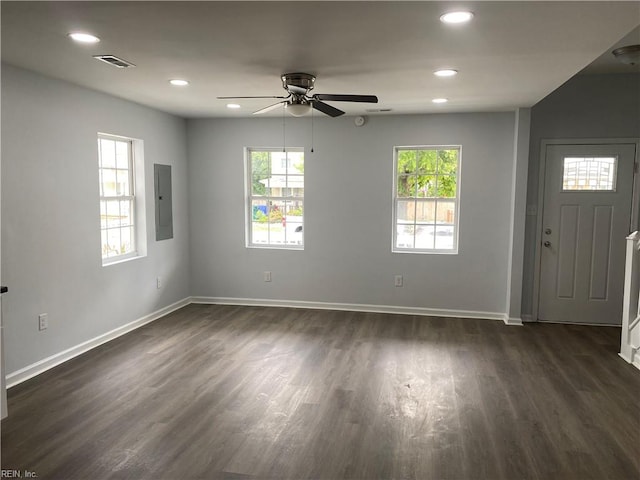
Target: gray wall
x,y
50,216
348,213
587,106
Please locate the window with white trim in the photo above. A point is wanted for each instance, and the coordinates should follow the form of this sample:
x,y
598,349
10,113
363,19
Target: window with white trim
x,y
425,210
275,197
117,198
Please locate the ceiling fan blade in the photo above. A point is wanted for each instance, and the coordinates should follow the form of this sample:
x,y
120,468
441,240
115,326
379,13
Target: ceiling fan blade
x,y
326,108
346,98
269,108
233,98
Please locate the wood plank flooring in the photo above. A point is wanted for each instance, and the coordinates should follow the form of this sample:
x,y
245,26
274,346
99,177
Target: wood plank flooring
x,y
226,392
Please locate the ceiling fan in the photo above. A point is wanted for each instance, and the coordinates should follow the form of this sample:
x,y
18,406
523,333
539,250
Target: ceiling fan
x,y
299,102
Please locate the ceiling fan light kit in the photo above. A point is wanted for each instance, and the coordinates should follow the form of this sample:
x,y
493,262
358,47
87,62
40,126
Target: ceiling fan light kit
x,y
300,102
298,109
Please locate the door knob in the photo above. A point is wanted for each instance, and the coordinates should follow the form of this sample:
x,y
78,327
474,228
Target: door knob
x,y
547,244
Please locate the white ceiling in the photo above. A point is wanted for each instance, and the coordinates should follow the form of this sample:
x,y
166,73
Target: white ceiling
x,y
511,55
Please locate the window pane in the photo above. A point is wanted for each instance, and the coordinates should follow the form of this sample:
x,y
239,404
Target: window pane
x,y
125,213
444,237
426,185
424,236
294,210
122,182
295,186
448,162
406,186
259,185
297,163
259,211
446,212
260,164
589,173
276,211
113,213
260,232
427,161
404,236
109,182
277,184
126,240
107,153
406,211
122,155
276,233
426,211
446,186
113,242
406,161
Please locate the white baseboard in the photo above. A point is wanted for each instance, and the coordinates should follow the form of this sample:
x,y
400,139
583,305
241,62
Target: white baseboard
x,y
635,355
19,376
512,320
352,307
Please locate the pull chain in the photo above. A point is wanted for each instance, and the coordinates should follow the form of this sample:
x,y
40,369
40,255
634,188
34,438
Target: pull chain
x,y
284,132
312,130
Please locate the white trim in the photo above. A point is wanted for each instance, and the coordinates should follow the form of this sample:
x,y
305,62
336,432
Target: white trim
x,y
19,376
512,320
350,307
635,355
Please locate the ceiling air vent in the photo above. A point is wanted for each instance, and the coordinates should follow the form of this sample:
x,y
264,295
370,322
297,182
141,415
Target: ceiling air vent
x,y
115,61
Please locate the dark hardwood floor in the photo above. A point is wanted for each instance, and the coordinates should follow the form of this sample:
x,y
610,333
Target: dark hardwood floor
x,y
213,392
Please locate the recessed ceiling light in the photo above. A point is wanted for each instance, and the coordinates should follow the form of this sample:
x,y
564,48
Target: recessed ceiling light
x,y
456,17
445,72
178,82
233,105
83,37
439,100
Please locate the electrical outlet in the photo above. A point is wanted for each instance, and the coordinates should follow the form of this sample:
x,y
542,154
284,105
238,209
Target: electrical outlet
x,y
43,321
267,276
398,280
158,283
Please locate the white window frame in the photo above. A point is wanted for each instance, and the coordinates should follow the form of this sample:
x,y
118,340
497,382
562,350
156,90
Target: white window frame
x,y
135,197
249,197
396,199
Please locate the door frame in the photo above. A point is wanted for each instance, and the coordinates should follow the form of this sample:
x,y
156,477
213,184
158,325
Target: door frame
x,y
635,198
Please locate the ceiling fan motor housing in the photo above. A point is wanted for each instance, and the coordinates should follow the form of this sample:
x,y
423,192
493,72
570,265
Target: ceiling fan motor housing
x,y
298,81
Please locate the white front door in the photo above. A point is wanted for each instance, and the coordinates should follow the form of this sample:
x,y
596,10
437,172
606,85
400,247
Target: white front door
x,y
587,215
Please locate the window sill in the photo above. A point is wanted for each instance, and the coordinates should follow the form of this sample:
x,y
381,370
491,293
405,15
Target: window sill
x,y
274,247
427,252
118,260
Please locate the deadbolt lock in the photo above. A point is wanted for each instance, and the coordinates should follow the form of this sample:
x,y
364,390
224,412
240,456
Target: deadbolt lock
x,y
547,231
